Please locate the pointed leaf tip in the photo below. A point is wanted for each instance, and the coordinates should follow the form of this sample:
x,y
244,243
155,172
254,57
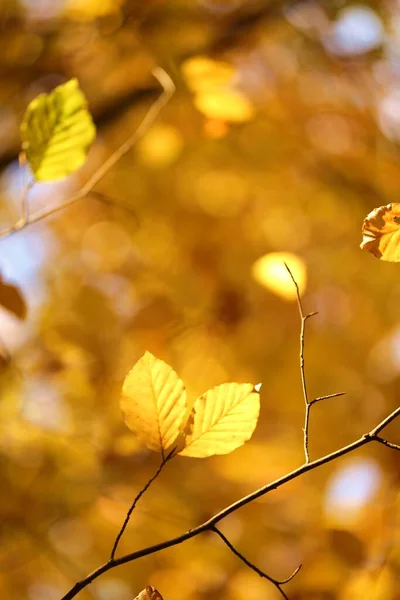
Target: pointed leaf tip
x,y
223,419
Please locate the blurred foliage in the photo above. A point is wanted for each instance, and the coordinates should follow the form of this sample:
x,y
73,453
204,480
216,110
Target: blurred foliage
x,y
282,136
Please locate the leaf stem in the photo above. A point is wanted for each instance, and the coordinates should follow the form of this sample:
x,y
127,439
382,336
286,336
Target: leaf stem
x,y
164,461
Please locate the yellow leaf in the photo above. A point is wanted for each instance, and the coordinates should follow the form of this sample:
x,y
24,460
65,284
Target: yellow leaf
x,y
381,233
223,419
56,132
270,272
153,402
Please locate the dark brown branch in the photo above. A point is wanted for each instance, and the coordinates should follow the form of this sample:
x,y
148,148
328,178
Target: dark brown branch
x,y
211,523
136,500
276,582
387,443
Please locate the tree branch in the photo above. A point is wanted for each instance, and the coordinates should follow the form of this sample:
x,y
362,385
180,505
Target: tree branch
x,y
168,90
276,582
387,443
211,523
24,219
136,500
303,319
315,400
308,403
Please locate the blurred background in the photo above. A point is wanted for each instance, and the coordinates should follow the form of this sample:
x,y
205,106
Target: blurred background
x,y
282,136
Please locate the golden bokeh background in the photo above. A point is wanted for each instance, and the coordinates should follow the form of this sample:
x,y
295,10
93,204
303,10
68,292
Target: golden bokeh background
x,y
282,135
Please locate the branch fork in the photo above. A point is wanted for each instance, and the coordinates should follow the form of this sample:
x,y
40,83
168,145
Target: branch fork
x,y
211,524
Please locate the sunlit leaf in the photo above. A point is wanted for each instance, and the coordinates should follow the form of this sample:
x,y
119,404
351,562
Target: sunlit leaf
x,y
222,420
12,299
270,272
381,232
153,402
57,131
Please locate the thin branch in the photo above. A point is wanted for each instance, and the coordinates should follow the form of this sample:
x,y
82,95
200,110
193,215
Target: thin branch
x,y
307,404
24,219
168,90
315,400
116,202
276,582
136,500
383,424
387,443
211,523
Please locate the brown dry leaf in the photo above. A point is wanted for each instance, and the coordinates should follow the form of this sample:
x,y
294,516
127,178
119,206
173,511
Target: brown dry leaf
x,y
149,593
224,418
381,232
12,300
153,402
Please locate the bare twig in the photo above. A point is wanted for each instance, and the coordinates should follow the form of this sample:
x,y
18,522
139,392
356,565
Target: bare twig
x,y
387,443
315,400
168,90
308,403
276,582
136,500
115,202
24,219
211,523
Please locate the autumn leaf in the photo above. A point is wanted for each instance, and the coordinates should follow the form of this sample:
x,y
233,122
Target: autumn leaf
x,y
222,420
381,232
12,299
153,402
149,593
56,132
